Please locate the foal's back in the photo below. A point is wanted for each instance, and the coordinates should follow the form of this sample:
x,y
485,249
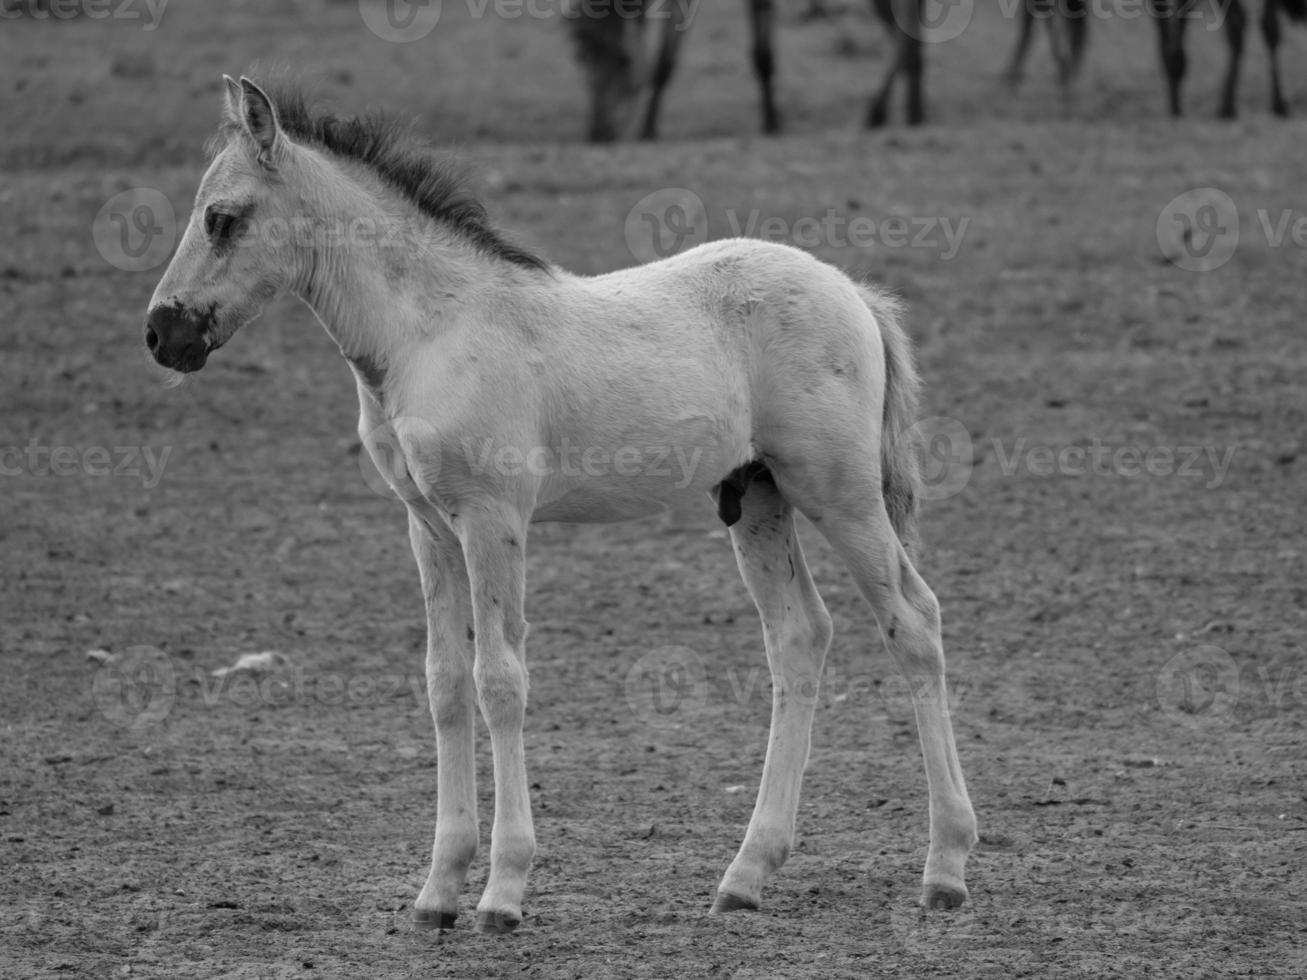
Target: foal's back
x,y
776,348
758,304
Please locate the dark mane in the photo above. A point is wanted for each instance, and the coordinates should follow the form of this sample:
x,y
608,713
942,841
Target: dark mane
x,y
438,187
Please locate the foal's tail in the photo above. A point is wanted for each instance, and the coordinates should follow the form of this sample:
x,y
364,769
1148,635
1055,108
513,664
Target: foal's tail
x,y
899,462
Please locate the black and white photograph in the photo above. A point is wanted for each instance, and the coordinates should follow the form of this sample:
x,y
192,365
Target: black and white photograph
x,y
654,489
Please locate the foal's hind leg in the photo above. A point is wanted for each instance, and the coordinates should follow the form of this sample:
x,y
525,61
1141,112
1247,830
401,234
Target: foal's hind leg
x,y
908,614
854,520
796,631
449,690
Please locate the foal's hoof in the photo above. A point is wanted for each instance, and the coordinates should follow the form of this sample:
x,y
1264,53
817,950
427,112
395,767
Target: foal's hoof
x,y
497,922
426,919
726,902
941,895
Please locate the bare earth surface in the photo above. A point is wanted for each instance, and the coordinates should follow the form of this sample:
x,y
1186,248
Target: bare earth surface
x,y
1116,536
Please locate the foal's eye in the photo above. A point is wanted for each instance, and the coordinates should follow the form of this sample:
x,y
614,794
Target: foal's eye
x,y
218,225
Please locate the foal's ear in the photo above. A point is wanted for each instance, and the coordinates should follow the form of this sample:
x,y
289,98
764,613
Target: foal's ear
x,y
232,104
260,120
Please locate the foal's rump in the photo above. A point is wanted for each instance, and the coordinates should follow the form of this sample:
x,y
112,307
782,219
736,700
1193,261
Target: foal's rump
x,y
734,352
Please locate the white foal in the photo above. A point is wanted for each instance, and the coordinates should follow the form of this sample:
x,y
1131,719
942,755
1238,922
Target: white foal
x,y
775,381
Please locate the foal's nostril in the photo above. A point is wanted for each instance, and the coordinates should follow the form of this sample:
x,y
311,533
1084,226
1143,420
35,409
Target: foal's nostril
x,y
151,339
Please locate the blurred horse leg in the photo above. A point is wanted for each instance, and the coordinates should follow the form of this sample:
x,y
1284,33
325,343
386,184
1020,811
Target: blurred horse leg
x,y
1168,16
912,63
1073,24
762,20
1235,22
669,47
1016,66
906,60
1271,33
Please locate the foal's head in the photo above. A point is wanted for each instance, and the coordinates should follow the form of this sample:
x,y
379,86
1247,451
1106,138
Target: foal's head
x,y
238,250
291,199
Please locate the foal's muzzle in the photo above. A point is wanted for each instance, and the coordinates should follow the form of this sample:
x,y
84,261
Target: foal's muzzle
x,y
177,337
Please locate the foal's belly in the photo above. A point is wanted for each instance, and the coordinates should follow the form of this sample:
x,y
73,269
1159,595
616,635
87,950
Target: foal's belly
x,y
603,489
587,507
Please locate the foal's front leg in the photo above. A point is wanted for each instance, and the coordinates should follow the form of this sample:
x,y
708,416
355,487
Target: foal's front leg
x,y
449,691
494,545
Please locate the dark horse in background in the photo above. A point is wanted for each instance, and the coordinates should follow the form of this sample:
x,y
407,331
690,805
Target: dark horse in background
x,y
1068,34
620,69
1172,16
612,50
611,47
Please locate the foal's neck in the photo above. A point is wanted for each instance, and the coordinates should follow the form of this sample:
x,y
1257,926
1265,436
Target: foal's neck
x,y
380,275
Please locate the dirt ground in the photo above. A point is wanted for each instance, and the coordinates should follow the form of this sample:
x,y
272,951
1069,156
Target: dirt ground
x,y
1116,463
